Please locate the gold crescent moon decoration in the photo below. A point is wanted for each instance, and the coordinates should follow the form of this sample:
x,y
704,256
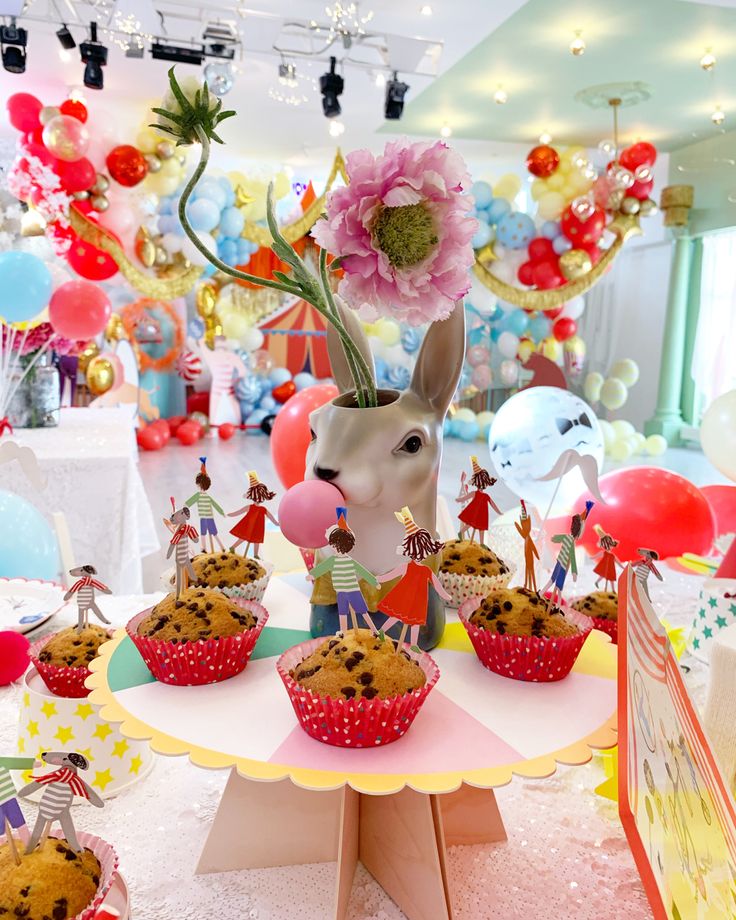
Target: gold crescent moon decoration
x,y
160,288
624,226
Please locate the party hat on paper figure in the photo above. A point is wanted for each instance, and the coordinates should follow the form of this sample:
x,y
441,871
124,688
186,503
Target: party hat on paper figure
x,y
253,479
727,568
405,517
476,466
342,518
524,512
203,465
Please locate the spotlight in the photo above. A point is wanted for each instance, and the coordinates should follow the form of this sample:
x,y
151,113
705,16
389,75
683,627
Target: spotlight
x,y
287,74
380,79
395,92
13,42
708,60
500,97
66,39
577,45
94,58
178,54
331,85
718,116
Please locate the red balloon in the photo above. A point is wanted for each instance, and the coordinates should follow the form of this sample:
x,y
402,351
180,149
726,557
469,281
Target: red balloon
x,y
13,656
23,111
583,231
127,165
290,435
284,391
547,274
525,274
554,312
162,426
174,421
79,310
641,190
593,251
650,507
89,261
150,438
542,161
77,176
564,328
541,248
722,501
226,431
188,433
640,154
196,426
75,108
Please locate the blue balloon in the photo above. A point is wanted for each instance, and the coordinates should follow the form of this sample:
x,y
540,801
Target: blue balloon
x,y
448,428
211,190
195,328
304,380
227,250
482,193
495,333
255,418
227,187
551,229
561,244
517,322
244,251
28,547
482,236
539,328
268,403
232,222
411,339
381,370
398,378
166,205
466,430
248,389
516,230
25,286
495,314
279,375
203,214
498,210
169,223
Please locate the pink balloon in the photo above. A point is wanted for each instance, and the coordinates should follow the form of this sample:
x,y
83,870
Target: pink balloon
x,y
482,376
307,510
79,310
478,354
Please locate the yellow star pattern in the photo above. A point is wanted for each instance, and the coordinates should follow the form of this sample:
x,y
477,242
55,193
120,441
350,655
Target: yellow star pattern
x,y
27,774
84,710
26,699
49,709
32,728
21,745
102,731
135,764
102,778
64,733
86,752
119,748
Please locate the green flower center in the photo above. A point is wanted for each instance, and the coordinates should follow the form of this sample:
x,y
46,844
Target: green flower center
x,y
405,234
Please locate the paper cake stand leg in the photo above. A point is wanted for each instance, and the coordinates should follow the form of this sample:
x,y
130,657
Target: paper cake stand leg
x,y
470,815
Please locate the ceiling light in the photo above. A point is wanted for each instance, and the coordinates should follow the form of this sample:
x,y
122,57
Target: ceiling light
x,y
545,137
331,85
500,97
287,74
13,42
380,79
94,58
395,92
219,77
446,130
718,116
66,39
336,128
708,60
425,10
577,45
178,54
64,56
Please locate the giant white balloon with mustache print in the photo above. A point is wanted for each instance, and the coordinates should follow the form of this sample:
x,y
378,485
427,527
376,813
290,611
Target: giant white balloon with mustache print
x,y
528,434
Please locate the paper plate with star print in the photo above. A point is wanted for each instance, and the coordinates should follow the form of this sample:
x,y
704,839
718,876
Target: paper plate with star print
x,y
26,604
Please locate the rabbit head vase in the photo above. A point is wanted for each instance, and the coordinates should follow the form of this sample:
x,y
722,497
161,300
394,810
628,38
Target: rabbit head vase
x,y
389,456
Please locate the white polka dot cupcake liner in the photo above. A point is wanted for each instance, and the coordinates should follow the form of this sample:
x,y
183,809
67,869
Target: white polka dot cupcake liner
x,y
61,681
206,661
462,587
253,590
528,658
356,723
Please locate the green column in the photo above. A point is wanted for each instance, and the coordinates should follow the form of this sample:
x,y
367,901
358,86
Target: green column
x,y
690,397
667,419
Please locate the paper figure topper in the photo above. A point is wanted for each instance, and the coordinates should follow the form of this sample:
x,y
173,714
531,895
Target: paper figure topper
x,y
10,811
474,516
524,529
566,561
182,532
206,507
252,528
59,789
407,601
345,573
84,587
644,567
606,566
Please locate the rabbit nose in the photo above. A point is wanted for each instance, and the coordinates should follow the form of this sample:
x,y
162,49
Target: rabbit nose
x,y
326,475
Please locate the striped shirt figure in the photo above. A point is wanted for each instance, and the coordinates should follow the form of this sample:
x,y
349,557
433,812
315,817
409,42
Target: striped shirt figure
x,y
182,533
643,567
9,807
566,560
85,588
206,507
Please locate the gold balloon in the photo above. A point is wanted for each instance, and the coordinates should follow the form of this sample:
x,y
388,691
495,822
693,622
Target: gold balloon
x,y
147,253
85,356
165,150
100,375
47,113
648,207
206,300
102,184
575,263
115,331
154,163
630,205
100,203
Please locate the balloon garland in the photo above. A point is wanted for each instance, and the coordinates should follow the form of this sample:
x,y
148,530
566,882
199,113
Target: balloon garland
x,y
132,314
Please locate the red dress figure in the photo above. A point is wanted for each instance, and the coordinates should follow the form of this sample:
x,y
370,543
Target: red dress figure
x,y
475,516
606,566
252,528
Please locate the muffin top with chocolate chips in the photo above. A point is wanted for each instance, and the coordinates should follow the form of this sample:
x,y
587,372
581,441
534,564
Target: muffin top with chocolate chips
x,y
72,649
520,612
461,557
198,613
226,570
602,604
359,665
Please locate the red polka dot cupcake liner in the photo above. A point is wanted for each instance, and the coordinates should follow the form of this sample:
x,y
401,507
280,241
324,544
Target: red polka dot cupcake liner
x,y
462,587
355,723
61,681
539,660
609,627
206,661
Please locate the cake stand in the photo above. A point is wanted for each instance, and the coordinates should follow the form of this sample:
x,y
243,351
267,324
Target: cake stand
x,y
290,799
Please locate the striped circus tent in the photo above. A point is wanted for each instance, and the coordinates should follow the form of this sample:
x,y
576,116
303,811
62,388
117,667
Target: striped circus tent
x,y
296,339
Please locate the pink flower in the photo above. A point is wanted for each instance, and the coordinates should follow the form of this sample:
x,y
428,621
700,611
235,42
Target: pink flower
x,y
402,231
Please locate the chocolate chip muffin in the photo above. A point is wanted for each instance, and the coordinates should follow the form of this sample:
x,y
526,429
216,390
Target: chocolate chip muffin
x,y
520,612
53,882
358,666
72,649
463,557
226,570
600,604
198,613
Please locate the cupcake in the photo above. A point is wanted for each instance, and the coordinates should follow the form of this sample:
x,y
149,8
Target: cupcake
x,y
602,608
233,575
515,634
201,637
354,689
469,569
63,659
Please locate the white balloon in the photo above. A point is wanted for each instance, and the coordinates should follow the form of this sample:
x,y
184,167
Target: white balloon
x,y
718,434
191,251
609,435
464,415
509,371
655,445
504,270
592,386
529,433
508,344
173,242
574,308
626,370
481,298
622,428
252,339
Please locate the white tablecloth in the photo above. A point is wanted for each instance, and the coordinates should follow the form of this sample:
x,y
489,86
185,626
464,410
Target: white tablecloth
x,y
90,464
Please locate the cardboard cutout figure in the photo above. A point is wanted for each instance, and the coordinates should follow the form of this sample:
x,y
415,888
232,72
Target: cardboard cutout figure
x,y
474,515
182,532
11,815
252,528
206,507
524,529
85,588
566,561
643,567
605,568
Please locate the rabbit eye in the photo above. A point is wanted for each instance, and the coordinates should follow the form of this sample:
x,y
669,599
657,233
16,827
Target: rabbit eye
x,y
312,435
412,445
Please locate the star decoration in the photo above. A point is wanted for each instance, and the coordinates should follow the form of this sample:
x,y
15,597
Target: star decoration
x,y
86,752
102,731
713,601
21,745
119,748
625,226
49,709
32,728
732,609
84,710
64,733
707,632
696,643
26,699
609,787
102,778
721,622
242,198
135,764
701,613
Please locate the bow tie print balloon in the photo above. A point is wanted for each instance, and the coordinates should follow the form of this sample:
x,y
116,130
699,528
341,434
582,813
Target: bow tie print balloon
x,y
565,424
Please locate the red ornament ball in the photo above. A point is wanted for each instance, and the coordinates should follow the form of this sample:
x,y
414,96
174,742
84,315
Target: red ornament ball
x,y
127,165
13,656
640,154
226,431
542,161
581,232
75,108
284,391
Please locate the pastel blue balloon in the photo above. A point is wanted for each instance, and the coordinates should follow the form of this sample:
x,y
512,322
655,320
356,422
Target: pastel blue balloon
x,y
203,214
551,229
25,286
482,193
211,190
398,377
448,428
255,418
167,223
195,328
466,430
209,270
539,328
482,236
232,222
227,187
166,205
28,547
495,314
244,251
227,250
495,333
279,375
498,210
516,230
517,322
411,339
561,244
248,389
245,409
268,403
304,380
381,368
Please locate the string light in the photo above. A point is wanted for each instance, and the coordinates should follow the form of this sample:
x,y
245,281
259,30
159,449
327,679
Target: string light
x,y
500,97
545,137
577,45
446,130
708,60
718,116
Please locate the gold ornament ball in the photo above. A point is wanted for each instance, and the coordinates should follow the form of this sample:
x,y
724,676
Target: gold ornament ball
x,y
154,163
80,196
47,113
85,356
114,331
648,208
165,150
630,205
575,263
102,184
162,257
206,300
100,375
615,199
147,253
100,203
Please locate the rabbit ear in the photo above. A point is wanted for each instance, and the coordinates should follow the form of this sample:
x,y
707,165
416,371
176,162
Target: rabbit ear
x,y
440,361
340,369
